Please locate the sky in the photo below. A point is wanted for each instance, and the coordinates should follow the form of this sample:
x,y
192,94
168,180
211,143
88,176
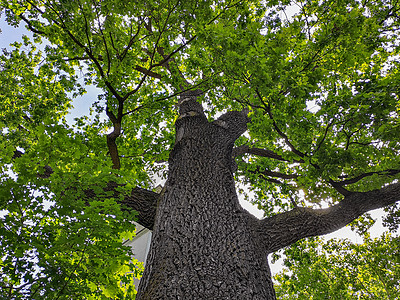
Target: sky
x,y
82,105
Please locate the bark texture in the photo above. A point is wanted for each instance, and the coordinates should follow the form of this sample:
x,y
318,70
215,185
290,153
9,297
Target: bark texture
x,y
145,203
285,229
203,246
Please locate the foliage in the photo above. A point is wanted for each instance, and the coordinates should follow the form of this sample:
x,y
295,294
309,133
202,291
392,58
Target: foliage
x,y
339,269
320,78
65,249
53,242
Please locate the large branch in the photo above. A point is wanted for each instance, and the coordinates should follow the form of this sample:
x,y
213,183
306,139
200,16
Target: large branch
x,y
284,229
145,203
234,122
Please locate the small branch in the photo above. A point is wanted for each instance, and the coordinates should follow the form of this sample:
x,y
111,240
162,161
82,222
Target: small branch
x,y
30,26
137,67
104,39
172,69
70,275
267,174
169,56
244,149
77,58
147,72
325,134
278,174
389,172
349,135
113,46
283,135
17,154
313,59
87,50
339,188
130,44
86,26
293,201
47,172
272,180
127,95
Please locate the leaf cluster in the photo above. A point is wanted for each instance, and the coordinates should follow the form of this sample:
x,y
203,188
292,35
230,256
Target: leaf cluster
x,y
339,269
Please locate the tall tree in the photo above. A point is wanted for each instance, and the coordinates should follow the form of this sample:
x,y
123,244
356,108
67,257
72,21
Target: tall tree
x,y
298,100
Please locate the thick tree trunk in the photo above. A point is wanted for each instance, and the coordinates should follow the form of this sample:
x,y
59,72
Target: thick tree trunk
x,y
203,245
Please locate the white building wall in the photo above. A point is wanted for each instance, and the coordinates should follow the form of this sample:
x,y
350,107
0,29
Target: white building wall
x,y
140,245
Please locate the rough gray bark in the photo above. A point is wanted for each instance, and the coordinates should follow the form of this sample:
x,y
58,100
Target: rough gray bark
x,y
145,203
285,229
205,246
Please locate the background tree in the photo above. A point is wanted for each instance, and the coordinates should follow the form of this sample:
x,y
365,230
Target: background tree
x,y
303,108
339,269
